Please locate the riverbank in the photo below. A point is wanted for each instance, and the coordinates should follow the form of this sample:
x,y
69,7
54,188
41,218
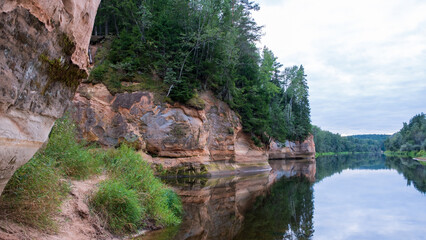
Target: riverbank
x,y
69,189
411,154
336,153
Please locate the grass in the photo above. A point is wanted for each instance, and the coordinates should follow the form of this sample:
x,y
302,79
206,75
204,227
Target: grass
x,y
132,194
131,173
34,193
119,206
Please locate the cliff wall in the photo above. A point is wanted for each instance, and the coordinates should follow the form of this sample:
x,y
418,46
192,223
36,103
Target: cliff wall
x,y
43,56
177,137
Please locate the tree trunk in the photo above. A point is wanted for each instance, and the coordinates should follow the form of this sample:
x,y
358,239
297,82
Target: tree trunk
x,y
106,28
116,27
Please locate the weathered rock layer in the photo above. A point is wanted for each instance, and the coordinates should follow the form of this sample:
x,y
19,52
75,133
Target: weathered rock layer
x,y
197,141
38,39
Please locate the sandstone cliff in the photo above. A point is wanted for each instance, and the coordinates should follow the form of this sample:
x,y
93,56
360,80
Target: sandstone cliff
x,y
188,140
43,55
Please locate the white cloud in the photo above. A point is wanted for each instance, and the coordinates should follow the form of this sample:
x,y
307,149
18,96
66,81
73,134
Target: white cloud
x,y
365,59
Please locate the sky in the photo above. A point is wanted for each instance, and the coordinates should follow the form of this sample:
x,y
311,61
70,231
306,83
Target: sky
x,y
365,60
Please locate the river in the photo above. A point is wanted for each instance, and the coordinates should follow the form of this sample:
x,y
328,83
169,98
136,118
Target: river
x,y
335,197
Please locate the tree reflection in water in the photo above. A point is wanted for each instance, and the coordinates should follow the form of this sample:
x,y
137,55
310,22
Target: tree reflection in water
x,y
285,213
272,205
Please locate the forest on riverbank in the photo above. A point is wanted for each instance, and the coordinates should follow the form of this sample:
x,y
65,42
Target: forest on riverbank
x,y
410,140
178,48
327,142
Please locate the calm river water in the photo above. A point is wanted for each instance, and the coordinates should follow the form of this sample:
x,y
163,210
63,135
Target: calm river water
x,y
345,197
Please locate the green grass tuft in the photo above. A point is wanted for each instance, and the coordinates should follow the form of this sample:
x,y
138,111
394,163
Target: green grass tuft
x,y
119,206
160,202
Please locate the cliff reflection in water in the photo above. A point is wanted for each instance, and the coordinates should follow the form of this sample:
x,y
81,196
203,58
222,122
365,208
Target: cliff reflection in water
x,y
255,206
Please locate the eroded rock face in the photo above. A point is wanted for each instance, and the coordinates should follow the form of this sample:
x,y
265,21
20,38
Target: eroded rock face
x,y
293,150
188,140
175,134
34,35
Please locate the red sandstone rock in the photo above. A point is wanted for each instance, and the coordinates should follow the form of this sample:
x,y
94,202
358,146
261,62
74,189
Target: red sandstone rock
x,y
29,102
176,135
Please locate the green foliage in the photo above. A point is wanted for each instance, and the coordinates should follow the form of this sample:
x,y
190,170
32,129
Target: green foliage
x,y
34,194
411,137
204,45
133,174
97,75
35,191
327,142
196,102
119,206
68,155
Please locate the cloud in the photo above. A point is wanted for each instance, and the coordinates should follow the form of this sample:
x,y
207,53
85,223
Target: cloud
x,y
365,59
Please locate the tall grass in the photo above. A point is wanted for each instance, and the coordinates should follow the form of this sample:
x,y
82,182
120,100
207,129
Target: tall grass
x,y
119,206
128,170
132,194
34,193
70,156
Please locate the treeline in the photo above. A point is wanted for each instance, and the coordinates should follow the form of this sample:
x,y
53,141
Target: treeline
x,y
326,141
192,46
411,137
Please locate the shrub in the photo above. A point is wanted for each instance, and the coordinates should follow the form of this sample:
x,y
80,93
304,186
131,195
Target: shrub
x,y
118,205
196,102
97,74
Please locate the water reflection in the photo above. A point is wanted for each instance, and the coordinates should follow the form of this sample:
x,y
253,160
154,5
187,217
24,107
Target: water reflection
x,y
217,208
286,213
358,195
366,197
413,171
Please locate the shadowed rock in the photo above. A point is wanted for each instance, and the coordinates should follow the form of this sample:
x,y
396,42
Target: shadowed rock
x,y
38,40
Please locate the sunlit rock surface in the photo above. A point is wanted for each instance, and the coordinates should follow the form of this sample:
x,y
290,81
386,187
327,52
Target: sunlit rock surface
x,y
29,102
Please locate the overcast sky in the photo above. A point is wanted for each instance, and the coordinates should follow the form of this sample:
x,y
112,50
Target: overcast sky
x,y
365,59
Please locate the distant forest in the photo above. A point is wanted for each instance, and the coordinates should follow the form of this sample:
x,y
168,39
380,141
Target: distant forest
x,y
326,141
411,137
181,47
